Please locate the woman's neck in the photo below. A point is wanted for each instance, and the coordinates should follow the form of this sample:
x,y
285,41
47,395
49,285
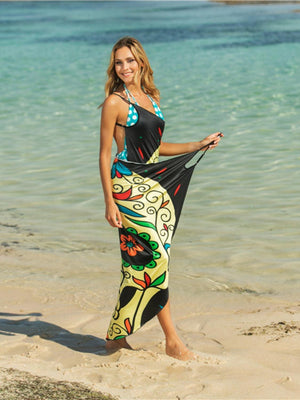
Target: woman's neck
x,y
134,89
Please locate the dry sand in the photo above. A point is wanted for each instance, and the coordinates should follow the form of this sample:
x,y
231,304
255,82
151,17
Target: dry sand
x,y
53,325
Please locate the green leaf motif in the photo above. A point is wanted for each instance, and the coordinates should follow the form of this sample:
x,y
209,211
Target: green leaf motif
x,y
153,245
145,236
151,264
125,264
159,280
143,223
119,337
137,267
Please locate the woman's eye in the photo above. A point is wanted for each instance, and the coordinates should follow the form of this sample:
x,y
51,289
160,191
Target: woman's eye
x,y
131,60
118,63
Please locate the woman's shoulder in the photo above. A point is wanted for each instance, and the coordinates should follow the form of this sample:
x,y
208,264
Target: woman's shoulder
x,y
113,100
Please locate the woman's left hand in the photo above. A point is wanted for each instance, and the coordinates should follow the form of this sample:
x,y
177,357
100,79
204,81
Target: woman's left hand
x,y
211,141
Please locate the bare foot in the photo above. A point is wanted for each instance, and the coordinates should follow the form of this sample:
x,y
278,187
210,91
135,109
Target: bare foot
x,y
114,345
177,349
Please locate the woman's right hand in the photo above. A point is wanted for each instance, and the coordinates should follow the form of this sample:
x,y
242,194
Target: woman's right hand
x,y
113,215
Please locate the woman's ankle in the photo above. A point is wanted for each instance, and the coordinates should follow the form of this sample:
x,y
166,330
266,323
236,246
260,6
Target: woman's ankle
x,y
114,345
177,349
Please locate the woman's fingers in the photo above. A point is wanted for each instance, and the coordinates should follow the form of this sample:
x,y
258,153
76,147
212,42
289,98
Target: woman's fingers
x,y
118,219
216,137
115,223
114,218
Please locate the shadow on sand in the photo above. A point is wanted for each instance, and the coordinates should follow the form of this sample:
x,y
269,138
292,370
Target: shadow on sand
x,y
48,331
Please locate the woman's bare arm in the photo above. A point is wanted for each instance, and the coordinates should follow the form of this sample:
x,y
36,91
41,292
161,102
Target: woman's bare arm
x,y
109,117
173,149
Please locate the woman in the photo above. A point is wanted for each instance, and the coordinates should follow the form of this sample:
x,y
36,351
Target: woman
x,y
143,197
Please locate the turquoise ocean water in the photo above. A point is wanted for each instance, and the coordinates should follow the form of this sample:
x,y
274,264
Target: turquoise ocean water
x,y
229,68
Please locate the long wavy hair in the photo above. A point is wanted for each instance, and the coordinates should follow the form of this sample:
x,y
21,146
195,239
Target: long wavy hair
x,y
146,73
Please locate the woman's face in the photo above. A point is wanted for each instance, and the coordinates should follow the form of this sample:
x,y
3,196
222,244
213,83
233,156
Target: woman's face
x,y
126,66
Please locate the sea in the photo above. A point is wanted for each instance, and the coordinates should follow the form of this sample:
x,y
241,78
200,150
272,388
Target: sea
x,y
229,68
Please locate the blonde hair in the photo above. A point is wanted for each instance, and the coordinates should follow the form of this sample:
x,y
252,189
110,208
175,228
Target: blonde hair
x,y
146,73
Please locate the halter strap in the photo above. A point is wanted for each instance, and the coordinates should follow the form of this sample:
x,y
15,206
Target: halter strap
x,y
129,95
123,98
204,152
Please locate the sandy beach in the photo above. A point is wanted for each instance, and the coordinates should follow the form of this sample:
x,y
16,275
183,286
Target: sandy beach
x,y
247,344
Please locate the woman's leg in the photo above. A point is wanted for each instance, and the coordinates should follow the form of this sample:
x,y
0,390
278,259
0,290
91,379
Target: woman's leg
x,y
174,346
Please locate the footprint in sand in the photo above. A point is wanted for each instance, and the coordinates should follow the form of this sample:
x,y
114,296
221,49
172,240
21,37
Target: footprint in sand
x,y
284,380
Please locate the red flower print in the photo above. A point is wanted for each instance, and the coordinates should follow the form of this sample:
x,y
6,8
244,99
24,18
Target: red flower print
x,y
129,244
164,204
127,195
178,187
147,282
123,195
144,284
128,325
141,153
